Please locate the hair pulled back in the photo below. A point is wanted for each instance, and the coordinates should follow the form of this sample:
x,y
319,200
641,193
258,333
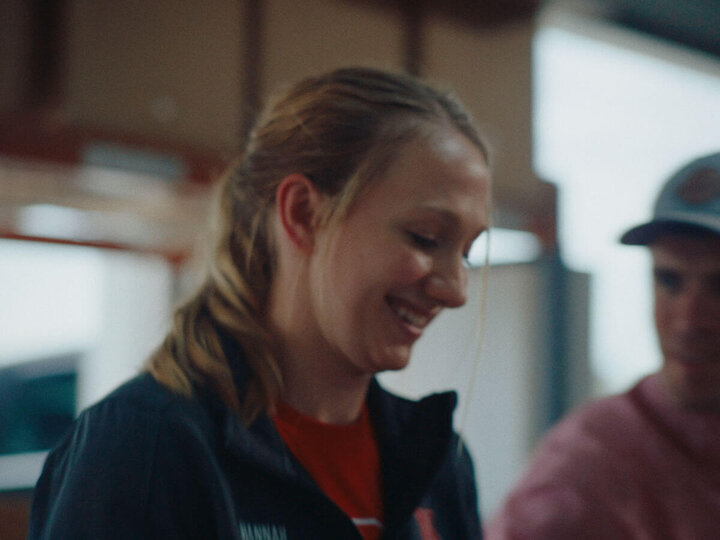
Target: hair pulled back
x,y
341,130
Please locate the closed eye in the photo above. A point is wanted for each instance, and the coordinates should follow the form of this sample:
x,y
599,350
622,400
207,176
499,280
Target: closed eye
x,y
422,241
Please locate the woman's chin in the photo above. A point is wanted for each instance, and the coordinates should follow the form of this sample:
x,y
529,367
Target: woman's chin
x,y
393,362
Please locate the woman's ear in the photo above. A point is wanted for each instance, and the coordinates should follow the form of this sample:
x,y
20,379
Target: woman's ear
x,y
298,202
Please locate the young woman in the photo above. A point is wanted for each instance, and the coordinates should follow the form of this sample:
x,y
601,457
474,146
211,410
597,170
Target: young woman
x,y
341,233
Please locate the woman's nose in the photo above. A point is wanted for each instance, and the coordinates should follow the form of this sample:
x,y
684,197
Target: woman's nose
x,y
448,283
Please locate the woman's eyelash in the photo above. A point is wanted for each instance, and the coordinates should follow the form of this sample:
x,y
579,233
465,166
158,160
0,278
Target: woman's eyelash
x,y
430,242
423,241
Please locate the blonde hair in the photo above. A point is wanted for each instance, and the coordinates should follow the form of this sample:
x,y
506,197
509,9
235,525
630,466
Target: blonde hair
x,y
341,130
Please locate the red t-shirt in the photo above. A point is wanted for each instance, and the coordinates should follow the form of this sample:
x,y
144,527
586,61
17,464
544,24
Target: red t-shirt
x,y
343,461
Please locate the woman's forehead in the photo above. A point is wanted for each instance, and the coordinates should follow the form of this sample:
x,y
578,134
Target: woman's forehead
x,y
445,176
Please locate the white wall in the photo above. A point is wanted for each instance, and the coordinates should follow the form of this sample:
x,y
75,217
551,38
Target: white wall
x,y
136,305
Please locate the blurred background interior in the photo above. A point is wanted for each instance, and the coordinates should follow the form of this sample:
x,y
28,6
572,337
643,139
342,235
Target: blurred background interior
x,y
117,116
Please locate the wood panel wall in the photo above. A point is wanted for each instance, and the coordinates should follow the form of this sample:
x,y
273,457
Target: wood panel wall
x,y
193,74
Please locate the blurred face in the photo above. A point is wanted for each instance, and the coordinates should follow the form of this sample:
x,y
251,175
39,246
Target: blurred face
x,y
398,258
687,317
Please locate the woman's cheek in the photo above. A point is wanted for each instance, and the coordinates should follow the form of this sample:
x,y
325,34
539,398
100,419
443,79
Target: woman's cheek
x,y
415,266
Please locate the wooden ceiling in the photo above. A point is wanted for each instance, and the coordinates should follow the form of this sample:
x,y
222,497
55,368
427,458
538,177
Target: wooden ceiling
x,y
475,13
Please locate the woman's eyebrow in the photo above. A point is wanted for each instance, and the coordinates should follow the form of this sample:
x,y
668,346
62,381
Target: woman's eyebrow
x,y
451,219
443,213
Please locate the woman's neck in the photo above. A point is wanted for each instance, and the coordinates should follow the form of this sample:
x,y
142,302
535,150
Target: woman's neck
x,y
316,380
328,397
318,383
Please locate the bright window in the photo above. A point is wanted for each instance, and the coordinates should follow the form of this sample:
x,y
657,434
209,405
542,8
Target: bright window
x,y
49,300
615,114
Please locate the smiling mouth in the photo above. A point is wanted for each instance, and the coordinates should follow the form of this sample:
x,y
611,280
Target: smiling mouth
x,y
411,316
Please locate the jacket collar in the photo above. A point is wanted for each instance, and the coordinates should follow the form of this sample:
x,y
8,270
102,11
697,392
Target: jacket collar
x,y
414,438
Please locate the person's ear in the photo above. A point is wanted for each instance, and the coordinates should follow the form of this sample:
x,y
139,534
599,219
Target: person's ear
x,y
298,202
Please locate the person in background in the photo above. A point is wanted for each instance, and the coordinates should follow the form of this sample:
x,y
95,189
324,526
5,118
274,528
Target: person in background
x,y
342,232
646,463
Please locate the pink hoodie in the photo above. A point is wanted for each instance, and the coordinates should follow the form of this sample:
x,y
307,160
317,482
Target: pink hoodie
x,y
629,466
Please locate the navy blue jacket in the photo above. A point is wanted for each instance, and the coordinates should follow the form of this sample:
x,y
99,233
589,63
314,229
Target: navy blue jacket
x,y
147,463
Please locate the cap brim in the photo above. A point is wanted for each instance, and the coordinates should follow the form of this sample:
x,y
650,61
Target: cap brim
x,y
647,233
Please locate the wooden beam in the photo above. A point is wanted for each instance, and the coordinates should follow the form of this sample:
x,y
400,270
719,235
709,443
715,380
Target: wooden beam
x,y
413,15
34,136
252,61
470,12
47,53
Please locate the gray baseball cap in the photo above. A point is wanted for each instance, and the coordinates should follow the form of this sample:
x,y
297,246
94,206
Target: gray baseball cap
x,y
688,202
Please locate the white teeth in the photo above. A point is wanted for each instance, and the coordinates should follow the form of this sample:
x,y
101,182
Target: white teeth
x,y
412,318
